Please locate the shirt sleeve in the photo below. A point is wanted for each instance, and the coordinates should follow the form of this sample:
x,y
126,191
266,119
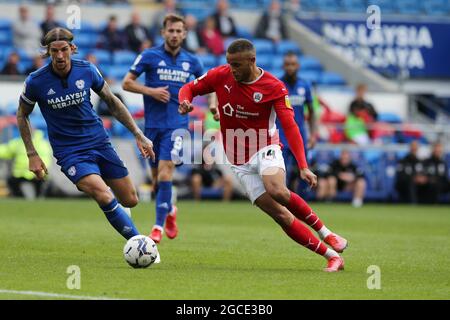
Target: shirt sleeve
x,y
285,113
200,86
139,66
28,96
198,69
97,79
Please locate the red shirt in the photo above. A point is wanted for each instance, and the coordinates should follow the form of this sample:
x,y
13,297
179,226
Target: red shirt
x,y
247,112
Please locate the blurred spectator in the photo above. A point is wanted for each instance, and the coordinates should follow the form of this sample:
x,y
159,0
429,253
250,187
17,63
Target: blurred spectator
x,y
209,176
112,38
38,62
49,23
223,20
170,7
212,38
361,115
138,36
410,176
271,25
345,176
193,41
11,67
26,33
22,182
437,175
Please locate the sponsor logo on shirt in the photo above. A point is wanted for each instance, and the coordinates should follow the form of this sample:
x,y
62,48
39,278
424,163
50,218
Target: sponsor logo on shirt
x,y
68,100
167,74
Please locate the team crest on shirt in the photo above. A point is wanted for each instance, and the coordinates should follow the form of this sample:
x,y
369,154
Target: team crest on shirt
x,y
269,155
80,84
257,97
185,66
72,171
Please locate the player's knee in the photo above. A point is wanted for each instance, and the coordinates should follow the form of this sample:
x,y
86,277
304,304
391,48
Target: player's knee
x,y
101,195
279,193
131,200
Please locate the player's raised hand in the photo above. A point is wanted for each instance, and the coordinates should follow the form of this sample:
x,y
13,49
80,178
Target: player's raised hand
x,y
37,166
145,146
161,94
185,107
309,177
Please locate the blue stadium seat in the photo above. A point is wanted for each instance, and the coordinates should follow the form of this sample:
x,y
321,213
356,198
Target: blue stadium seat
x,y
263,46
277,61
209,60
222,60
243,32
103,56
308,63
311,76
328,5
117,72
285,46
6,37
389,117
386,6
331,78
277,72
86,40
357,6
408,6
436,7
5,24
124,57
264,61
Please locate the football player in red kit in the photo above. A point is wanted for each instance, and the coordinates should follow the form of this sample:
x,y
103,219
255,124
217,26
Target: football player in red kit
x,y
249,100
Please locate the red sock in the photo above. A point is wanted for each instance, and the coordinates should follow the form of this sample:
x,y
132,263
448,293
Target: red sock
x,y
302,235
301,210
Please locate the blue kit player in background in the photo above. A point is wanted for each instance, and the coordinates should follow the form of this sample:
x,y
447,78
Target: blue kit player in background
x,y
79,141
299,95
167,68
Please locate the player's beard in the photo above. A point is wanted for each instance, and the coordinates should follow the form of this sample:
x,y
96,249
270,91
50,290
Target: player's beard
x,y
173,45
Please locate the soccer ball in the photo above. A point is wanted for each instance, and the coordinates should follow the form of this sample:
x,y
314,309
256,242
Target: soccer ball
x,y
140,251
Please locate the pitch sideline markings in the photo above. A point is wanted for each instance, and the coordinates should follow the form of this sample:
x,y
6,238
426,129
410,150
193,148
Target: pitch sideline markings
x,y
55,295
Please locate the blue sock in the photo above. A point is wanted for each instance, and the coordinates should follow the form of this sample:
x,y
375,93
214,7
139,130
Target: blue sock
x,y
119,219
163,201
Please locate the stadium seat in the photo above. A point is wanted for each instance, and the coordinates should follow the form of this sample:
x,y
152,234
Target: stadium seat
x,y
86,40
331,78
117,72
124,57
243,32
436,7
285,46
264,61
389,117
308,63
6,38
357,6
408,6
209,60
103,56
5,24
263,46
328,5
311,76
386,6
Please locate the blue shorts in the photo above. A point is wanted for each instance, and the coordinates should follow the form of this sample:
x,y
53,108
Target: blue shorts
x,y
104,162
163,145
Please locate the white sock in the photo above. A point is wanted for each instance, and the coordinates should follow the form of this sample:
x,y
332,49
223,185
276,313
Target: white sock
x,y
323,232
330,253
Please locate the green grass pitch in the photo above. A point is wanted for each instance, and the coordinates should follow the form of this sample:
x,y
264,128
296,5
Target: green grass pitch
x,y
224,251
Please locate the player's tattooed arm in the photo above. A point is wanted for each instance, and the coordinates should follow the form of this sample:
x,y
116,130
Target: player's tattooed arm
x,y
35,163
121,113
23,122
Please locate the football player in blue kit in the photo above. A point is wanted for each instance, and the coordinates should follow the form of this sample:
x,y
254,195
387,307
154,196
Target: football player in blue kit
x,y
167,68
299,95
79,141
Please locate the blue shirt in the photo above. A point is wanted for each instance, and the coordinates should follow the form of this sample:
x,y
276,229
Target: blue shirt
x,y
72,123
162,69
299,94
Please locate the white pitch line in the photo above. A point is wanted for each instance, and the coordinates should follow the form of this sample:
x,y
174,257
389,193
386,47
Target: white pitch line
x,y
55,295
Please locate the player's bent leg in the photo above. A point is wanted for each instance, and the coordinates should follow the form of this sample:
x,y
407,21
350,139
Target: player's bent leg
x,y
124,190
273,182
94,186
298,232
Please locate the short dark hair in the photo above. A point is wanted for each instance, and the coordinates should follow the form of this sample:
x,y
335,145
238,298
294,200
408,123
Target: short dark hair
x,y
56,34
290,54
173,18
240,45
